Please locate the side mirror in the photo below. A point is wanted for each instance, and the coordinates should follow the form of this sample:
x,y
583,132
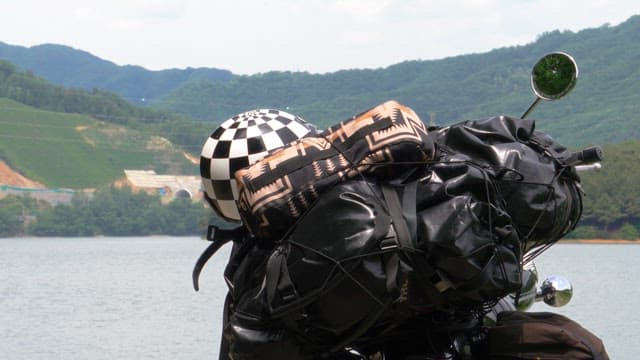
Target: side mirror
x,y
555,291
553,77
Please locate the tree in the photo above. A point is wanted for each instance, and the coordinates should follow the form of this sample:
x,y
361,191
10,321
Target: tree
x,y
10,218
628,232
63,220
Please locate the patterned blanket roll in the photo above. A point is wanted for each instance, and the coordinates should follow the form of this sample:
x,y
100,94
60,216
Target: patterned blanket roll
x,y
277,190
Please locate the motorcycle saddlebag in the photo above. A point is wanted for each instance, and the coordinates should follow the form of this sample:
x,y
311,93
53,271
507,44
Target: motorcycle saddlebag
x,y
543,335
336,279
540,192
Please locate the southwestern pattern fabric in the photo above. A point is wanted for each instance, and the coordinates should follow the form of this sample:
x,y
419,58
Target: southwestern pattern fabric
x,y
275,191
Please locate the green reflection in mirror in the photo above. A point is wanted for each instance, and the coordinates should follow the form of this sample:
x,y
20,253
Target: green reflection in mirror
x,y
554,75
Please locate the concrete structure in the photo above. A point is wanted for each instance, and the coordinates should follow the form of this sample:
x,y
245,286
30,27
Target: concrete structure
x,y
52,196
173,186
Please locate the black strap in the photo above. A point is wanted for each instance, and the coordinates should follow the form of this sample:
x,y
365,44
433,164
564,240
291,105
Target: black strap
x,y
278,279
402,230
218,237
395,210
405,223
409,209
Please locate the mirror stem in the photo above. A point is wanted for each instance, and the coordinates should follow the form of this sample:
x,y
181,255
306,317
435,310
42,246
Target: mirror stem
x,y
535,102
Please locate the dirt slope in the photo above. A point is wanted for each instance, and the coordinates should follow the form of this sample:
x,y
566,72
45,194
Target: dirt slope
x,y
10,177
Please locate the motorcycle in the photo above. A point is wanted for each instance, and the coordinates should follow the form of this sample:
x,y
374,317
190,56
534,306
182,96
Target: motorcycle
x,y
411,302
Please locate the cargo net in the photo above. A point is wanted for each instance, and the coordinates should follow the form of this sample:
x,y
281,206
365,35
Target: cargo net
x,y
388,243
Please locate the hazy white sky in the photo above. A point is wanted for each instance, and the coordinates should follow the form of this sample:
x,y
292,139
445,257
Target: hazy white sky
x,y
252,36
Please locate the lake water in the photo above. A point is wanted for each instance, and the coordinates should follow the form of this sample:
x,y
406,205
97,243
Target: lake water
x,y
132,298
108,298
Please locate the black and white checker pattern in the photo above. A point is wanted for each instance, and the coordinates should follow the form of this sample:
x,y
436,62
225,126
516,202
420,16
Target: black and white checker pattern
x,y
239,142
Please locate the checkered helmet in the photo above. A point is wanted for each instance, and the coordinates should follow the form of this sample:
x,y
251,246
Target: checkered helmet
x,y
239,142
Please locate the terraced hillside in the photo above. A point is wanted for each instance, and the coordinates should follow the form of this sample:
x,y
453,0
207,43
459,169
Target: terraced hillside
x,y
78,151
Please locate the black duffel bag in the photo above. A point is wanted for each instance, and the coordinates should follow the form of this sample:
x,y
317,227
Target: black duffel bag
x,y
353,262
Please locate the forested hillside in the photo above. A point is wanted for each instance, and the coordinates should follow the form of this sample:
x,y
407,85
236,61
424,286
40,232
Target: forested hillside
x,y
62,65
77,151
26,88
75,138
612,201
601,109
35,91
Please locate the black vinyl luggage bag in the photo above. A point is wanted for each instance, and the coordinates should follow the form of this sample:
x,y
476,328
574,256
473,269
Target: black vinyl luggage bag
x,y
438,235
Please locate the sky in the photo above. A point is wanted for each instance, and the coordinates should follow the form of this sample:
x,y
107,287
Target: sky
x,y
318,36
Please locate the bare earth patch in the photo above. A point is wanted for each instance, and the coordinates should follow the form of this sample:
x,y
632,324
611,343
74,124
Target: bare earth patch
x,y
194,160
11,177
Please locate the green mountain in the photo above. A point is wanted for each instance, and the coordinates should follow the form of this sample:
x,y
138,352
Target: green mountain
x,y
601,108
62,65
76,138
612,200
